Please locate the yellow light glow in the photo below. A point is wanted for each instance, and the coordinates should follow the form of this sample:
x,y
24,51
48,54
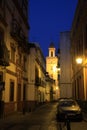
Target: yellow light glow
x,y
58,69
56,88
79,60
54,68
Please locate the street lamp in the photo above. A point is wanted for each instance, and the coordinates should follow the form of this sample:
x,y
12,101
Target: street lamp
x,y
79,60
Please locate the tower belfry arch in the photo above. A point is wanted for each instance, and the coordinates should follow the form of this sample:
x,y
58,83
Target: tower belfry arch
x,y
52,50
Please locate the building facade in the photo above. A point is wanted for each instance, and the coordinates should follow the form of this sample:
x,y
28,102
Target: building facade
x,y
36,76
65,65
14,29
79,51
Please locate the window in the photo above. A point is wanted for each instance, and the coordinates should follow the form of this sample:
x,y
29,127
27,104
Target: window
x,y
36,72
14,26
19,92
51,53
12,54
11,91
24,62
4,53
20,58
24,92
58,76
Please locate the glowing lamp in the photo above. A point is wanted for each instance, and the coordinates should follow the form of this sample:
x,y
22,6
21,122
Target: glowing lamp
x,y
79,60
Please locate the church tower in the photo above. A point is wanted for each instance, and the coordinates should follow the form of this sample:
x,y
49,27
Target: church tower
x,y
51,67
52,50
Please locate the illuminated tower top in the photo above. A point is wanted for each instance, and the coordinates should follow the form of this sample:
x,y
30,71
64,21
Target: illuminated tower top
x,y
52,50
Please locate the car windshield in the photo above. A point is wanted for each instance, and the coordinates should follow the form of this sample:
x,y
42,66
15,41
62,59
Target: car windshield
x,y
67,103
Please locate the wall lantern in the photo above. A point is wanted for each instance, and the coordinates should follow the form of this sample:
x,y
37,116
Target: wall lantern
x,y
79,60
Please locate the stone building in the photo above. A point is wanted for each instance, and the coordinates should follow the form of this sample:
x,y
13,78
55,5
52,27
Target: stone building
x,y
14,29
79,51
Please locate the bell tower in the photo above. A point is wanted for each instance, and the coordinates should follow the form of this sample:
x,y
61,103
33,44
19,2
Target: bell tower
x,y
51,68
52,50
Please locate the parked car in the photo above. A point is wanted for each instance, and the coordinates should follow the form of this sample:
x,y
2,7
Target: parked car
x,y
68,109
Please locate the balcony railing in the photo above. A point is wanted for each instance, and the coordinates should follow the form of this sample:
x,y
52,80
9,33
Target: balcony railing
x,y
17,32
18,35
38,81
4,55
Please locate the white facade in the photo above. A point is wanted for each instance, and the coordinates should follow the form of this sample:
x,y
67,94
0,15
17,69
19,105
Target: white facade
x,y
36,75
65,65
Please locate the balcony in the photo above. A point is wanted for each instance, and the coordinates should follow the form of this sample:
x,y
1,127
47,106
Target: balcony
x,y
38,81
23,12
4,55
18,34
15,30
43,84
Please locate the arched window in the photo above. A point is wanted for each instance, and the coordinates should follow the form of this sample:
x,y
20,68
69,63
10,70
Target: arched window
x,y
51,53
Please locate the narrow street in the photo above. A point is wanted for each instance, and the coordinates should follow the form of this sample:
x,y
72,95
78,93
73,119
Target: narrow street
x,y
43,118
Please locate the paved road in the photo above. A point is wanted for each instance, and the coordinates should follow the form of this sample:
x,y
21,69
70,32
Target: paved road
x,y
43,118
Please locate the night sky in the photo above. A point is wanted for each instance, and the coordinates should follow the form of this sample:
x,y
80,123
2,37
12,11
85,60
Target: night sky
x,y
47,18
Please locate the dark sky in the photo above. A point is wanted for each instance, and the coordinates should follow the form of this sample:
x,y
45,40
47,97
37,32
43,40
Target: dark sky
x,y
47,18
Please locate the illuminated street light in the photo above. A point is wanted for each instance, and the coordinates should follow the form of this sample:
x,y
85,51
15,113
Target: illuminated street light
x,y
56,88
79,60
58,69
